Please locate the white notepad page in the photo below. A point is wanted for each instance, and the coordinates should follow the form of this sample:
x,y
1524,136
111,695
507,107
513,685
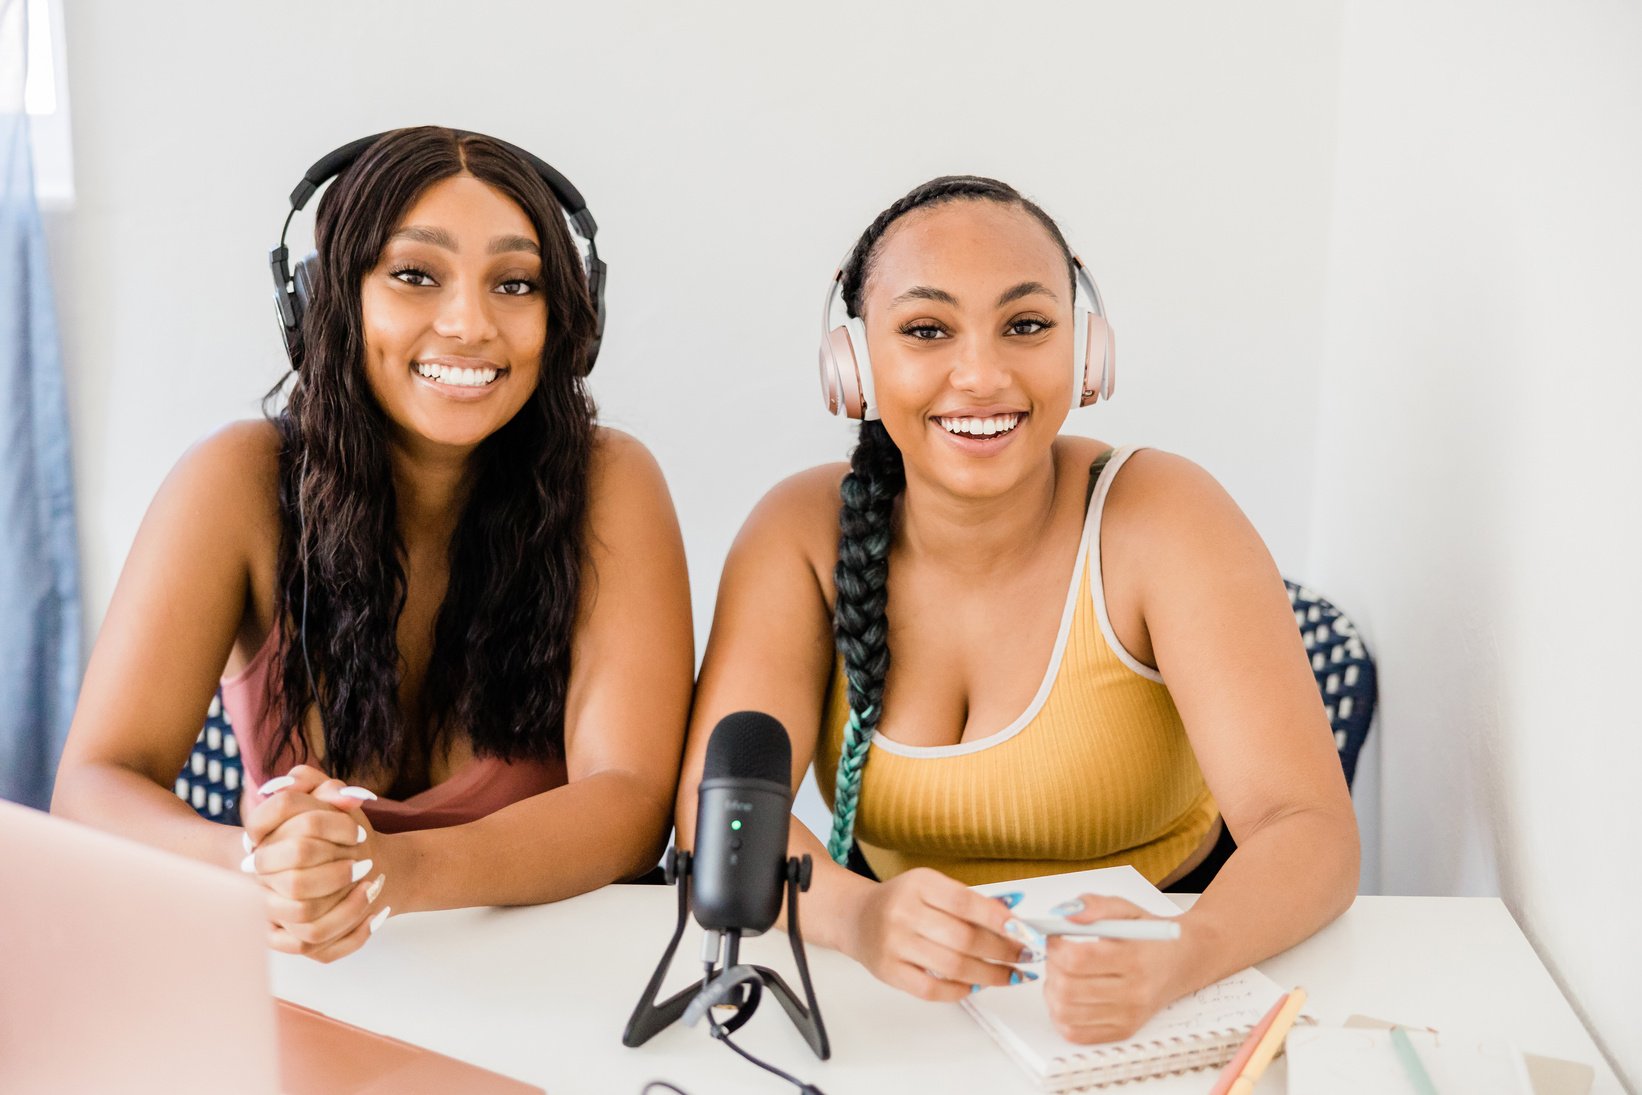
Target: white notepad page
x,y
1216,1016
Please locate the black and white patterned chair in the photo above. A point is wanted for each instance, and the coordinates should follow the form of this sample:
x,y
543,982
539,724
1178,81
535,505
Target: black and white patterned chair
x,y
210,781
1343,668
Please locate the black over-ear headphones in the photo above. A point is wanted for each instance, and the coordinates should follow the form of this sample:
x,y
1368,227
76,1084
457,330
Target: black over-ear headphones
x,y
292,291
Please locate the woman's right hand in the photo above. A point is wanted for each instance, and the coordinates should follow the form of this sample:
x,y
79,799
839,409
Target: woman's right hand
x,y
934,937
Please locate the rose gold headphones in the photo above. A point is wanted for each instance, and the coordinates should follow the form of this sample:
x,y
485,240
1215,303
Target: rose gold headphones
x,y
846,369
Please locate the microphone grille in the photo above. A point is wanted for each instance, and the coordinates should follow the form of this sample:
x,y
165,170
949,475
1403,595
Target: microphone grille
x,y
749,745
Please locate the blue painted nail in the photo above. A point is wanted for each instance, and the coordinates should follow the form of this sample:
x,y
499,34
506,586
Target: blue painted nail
x,y
973,989
1067,908
1022,975
1010,900
1029,975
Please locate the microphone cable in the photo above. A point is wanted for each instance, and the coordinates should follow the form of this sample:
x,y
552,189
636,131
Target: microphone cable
x,y
722,1035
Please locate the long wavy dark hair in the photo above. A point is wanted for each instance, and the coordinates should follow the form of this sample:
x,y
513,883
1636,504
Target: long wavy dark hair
x,y
501,653
877,476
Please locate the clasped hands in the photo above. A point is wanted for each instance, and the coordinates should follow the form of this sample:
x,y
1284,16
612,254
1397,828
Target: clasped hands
x,y
934,937
323,866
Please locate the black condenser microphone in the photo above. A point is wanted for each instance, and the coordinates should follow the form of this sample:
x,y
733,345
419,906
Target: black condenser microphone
x,y
734,882
743,809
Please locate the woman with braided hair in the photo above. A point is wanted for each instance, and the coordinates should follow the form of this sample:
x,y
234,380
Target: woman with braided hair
x,y
968,632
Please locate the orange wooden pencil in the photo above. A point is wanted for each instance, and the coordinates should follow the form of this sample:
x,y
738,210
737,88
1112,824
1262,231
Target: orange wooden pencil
x,y
1270,1045
1234,1067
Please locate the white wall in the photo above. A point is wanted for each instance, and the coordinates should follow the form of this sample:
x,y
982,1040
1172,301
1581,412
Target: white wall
x,y
1477,473
730,158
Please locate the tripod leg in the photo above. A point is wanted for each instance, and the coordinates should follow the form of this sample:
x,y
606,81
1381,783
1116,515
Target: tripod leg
x,y
649,1018
806,1016
647,1021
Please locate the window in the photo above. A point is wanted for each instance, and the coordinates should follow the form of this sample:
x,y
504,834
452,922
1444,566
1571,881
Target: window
x,y
45,93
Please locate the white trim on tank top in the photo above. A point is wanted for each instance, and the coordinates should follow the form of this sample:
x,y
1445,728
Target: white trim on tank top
x,y
1088,544
1097,589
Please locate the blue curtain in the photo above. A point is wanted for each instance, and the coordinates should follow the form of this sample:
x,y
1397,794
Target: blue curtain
x,y
39,558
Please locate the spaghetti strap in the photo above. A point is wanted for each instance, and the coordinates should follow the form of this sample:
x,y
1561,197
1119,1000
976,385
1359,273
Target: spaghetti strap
x,y
1094,475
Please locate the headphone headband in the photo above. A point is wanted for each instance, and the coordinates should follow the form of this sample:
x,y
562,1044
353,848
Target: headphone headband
x,y
291,289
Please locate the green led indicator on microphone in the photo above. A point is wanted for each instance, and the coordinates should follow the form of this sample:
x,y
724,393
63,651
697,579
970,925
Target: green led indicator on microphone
x,y
736,824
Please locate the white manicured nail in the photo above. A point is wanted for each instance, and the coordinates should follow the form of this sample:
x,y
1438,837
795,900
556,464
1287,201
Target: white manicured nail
x,y
245,839
360,837
275,785
249,864
364,794
376,921
361,869
374,889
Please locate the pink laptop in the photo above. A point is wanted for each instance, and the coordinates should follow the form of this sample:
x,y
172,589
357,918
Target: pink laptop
x,y
127,969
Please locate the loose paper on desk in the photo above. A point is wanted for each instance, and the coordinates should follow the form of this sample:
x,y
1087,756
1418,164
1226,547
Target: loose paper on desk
x,y
1353,1061
1202,1030
1546,1075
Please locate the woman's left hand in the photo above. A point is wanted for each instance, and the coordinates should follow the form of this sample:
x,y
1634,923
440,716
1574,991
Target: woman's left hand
x,y
1103,990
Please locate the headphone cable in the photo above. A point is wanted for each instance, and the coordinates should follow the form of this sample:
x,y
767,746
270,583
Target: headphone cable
x,y
302,540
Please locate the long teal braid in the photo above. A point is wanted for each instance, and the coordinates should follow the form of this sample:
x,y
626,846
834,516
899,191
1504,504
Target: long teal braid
x,y
876,478
860,622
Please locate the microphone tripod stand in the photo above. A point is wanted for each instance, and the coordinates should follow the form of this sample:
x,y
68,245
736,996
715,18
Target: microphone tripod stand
x,y
735,984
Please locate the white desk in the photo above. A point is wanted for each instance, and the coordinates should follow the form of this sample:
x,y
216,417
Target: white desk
x,y
543,994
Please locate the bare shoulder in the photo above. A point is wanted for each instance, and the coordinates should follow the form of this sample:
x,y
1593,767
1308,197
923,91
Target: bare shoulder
x,y
809,497
798,516
244,447
1170,526
1162,487
623,475
630,511
231,477
620,455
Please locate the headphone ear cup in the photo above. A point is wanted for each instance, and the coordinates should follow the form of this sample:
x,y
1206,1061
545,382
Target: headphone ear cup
x,y
843,360
302,284
295,306
834,344
1099,364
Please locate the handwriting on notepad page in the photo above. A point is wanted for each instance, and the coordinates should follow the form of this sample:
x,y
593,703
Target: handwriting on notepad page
x,y
1238,1001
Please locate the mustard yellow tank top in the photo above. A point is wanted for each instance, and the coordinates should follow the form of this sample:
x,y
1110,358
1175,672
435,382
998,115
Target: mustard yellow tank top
x,y
1096,772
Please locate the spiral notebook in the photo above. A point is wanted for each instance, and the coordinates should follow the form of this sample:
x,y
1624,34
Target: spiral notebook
x,y
1202,1030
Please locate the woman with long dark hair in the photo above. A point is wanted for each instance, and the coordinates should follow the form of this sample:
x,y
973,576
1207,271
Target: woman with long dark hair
x,y
1010,652
449,612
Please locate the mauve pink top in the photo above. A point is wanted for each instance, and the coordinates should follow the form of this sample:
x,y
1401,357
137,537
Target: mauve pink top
x,y
482,786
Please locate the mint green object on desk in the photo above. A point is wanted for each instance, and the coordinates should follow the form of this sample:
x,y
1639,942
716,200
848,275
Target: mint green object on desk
x,y
1410,1057
1360,1061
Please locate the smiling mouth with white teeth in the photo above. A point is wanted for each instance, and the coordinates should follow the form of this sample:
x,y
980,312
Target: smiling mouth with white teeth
x,y
457,377
992,426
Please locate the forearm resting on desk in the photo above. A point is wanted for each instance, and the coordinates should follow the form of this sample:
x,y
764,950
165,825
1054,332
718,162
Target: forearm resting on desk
x,y
1288,879
128,803
599,829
